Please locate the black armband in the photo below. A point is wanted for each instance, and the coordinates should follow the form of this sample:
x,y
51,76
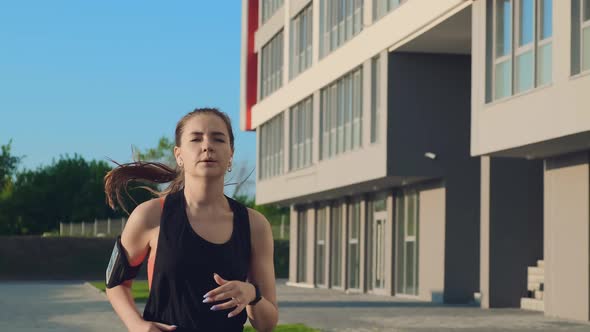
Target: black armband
x,y
119,269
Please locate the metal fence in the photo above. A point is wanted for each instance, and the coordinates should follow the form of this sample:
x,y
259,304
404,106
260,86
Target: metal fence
x,y
97,228
114,227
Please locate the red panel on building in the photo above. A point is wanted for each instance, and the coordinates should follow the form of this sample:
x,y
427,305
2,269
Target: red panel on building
x,y
252,62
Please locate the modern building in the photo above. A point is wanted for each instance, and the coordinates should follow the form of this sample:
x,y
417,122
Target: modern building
x,y
417,160
530,114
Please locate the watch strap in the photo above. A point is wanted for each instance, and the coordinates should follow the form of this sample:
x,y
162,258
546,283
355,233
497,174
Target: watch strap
x,y
258,295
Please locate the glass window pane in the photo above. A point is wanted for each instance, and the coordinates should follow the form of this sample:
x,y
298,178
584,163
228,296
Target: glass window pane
x,y
409,266
503,84
575,38
586,16
527,26
524,71
546,18
503,28
544,64
586,49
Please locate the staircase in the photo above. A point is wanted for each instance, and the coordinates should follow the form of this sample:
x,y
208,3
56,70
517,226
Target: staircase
x,y
536,282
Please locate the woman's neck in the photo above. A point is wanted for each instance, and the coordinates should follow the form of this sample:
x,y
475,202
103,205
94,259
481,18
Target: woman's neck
x,y
205,195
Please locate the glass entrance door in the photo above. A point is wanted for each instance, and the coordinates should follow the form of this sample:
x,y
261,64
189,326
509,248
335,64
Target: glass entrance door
x,y
377,252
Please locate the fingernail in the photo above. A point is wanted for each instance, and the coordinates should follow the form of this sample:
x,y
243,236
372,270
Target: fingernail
x,y
174,326
229,315
206,300
213,308
206,295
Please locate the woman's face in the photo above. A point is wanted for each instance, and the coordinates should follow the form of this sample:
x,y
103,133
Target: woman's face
x,y
204,149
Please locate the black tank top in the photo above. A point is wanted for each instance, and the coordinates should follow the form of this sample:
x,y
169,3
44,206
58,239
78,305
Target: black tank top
x,y
184,267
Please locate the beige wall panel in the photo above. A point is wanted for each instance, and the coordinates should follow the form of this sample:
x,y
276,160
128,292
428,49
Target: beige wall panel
x,y
566,243
431,262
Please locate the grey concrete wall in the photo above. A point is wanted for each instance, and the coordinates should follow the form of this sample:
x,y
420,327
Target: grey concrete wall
x,y
429,111
567,232
512,228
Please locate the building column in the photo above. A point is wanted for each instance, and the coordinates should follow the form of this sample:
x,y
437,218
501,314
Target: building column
x,y
511,228
310,259
293,246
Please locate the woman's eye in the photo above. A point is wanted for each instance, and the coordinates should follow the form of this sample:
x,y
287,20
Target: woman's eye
x,y
220,140
196,139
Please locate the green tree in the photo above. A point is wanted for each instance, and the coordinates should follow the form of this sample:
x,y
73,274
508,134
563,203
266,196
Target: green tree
x,y
69,190
8,167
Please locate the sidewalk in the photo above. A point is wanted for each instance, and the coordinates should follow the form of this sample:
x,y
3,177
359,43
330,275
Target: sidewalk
x,y
74,306
331,310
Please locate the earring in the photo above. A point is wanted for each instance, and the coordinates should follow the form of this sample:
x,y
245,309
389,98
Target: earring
x,y
229,169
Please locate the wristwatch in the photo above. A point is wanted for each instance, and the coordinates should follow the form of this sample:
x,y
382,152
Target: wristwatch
x,y
258,296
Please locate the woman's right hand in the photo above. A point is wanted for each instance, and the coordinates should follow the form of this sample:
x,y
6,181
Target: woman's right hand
x,y
147,326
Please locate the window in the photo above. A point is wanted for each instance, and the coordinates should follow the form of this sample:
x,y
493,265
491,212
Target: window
x,y
336,245
519,46
382,7
407,251
341,115
271,74
375,97
301,42
580,36
320,263
340,20
301,245
354,222
269,7
301,134
271,148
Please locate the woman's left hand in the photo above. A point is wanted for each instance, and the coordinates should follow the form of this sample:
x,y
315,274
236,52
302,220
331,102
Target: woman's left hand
x,y
238,292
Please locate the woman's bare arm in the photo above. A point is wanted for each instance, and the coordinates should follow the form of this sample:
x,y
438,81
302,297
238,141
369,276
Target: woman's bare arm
x,y
265,314
135,240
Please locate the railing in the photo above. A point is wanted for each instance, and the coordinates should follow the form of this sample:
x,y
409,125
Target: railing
x,y
114,227
97,228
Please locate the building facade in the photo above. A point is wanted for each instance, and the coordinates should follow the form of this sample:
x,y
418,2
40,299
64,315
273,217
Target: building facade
x,y
417,160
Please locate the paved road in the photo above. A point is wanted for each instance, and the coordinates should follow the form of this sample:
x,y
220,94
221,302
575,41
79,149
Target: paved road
x,y
75,306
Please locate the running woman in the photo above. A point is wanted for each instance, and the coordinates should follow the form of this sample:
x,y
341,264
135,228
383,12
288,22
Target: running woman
x,y
210,259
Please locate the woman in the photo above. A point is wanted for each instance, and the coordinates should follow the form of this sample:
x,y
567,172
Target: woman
x,y
210,257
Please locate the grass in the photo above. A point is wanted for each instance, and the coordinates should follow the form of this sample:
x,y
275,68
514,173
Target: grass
x,y
140,292
139,289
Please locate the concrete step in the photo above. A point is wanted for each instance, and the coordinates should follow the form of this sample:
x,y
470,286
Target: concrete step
x,y
532,304
541,263
536,279
535,271
533,286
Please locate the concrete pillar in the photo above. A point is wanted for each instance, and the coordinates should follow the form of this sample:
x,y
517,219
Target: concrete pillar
x,y
293,246
512,228
310,258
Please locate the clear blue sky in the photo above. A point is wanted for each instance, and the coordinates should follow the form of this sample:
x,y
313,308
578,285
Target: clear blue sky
x,y
95,77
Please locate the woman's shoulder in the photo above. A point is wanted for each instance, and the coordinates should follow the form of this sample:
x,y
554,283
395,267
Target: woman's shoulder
x,y
258,222
148,213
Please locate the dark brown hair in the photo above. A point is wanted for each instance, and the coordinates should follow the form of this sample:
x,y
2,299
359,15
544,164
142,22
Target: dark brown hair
x,y
117,179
